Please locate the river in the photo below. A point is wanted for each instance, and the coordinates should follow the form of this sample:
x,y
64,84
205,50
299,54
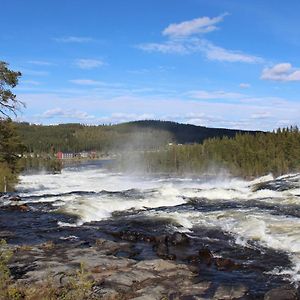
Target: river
x,y
255,223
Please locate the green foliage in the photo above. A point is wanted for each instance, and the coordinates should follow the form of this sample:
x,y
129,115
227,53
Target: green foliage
x,y
245,155
5,256
139,135
10,149
10,144
8,79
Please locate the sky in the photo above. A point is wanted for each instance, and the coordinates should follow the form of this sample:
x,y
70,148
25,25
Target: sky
x,y
216,63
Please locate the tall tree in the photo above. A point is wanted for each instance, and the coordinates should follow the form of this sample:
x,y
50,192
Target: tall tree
x,y
8,80
10,145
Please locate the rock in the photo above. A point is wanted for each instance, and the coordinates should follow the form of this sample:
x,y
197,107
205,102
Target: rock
x,y
49,245
21,207
206,256
14,198
4,234
156,265
161,246
151,293
282,293
104,293
225,292
128,278
225,264
179,238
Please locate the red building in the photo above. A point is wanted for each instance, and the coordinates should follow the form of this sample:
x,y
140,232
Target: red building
x,y
59,155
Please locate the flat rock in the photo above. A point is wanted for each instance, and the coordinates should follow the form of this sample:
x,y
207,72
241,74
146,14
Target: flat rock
x,y
282,293
129,278
230,292
159,265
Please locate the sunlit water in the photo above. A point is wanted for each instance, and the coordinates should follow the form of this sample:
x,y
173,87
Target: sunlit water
x,y
268,217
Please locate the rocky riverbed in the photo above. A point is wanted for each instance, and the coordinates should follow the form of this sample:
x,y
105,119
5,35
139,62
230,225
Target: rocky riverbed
x,y
155,238
134,265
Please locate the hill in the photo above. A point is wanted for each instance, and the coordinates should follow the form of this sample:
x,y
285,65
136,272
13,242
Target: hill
x,y
138,135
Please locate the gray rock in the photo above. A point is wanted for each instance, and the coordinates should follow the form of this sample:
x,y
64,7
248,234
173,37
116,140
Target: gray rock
x,y
129,278
282,293
230,292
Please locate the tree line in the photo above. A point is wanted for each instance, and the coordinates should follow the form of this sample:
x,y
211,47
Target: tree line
x,y
246,155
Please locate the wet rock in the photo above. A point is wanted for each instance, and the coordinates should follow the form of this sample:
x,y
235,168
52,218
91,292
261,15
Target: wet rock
x,y
179,238
22,207
225,292
133,236
4,234
206,256
225,264
282,293
14,198
161,246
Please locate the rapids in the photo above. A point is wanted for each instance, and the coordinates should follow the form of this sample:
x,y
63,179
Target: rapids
x,y
260,215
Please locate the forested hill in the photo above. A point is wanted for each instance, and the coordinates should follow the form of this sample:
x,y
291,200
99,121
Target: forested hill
x,y
138,135
186,133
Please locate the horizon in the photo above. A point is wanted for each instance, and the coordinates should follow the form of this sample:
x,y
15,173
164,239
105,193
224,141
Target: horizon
x,y
218,64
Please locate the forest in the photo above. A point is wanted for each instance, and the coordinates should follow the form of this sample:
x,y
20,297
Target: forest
x,y
246,155
137,135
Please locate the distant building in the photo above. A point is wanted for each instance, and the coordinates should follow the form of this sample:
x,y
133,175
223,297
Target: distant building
x,y
84,154
62,155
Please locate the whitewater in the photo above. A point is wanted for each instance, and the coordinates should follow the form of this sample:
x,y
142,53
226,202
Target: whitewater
x,y
259,214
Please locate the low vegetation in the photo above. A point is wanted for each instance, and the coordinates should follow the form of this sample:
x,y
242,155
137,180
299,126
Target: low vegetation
x,y
77,285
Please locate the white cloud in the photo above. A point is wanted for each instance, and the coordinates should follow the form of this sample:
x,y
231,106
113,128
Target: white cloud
x,y
90,82
176,47
74,39
201,94
281,72
40,63
248,112
196,45
69,114
88,64
184,38
213,52
195,26
261,115
244,85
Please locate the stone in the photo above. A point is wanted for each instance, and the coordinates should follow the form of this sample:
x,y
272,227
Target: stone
x,y
158,265
129,278
225,292
206,256
282,293
179,238
225,264
151,292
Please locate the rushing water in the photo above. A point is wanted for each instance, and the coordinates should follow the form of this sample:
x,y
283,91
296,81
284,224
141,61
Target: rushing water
x,y
260,219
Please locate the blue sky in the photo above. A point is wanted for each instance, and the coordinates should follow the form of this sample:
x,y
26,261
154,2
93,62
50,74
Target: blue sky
x,y
217,63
